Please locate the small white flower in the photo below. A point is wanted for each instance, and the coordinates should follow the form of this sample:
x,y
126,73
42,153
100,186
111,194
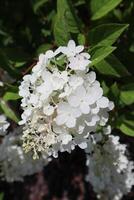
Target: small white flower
x,y
107,130
65,138
71,49
33,99
103,102
75,81
79,62
80,99
94,92
91,120
48,110
41,64
111,105
67,115
46,88
3,125
59,79
25,115
91,77
49,54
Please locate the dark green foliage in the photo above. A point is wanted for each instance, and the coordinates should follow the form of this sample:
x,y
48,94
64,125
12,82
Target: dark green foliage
x,y
105,27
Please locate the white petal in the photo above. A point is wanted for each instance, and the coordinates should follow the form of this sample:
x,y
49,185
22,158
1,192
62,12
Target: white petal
x,y
61,119
71,44
111,105
83,145
49,54
63,107
91,77
65,51
48,110
58,50
103,102
75,81
1,84
93,121
33,99
65,138
76,112
95,110
84,64
80,92
84,108
86,55
74,101
79,48
104,119
71,122
2,118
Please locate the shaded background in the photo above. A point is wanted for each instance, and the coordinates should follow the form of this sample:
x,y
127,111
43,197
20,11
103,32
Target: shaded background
x,y
28,28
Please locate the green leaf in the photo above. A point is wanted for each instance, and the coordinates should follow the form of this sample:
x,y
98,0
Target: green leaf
x,y
127,94
106,34
126,124
37,4
16,54
43,48
79,2
1,196
115,90
127,128
99,53
112,66
100,8
105,88
131,49
114,93
11,96
65,22
8,111
81,39
5,64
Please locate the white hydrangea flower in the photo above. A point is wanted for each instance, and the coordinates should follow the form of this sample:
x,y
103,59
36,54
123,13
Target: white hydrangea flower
x,y
71,50
4,124
80,99
67,115
79,62
110,172
14,163
61,92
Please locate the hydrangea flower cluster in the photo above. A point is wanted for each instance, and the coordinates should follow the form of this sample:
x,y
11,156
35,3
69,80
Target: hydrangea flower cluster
x,y
4,124
110,172
62,102
14,163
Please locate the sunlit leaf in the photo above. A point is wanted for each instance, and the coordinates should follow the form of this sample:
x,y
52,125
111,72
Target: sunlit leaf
x,y
106,34
100,8
112,66
65,22
8,111
11,96
99,53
